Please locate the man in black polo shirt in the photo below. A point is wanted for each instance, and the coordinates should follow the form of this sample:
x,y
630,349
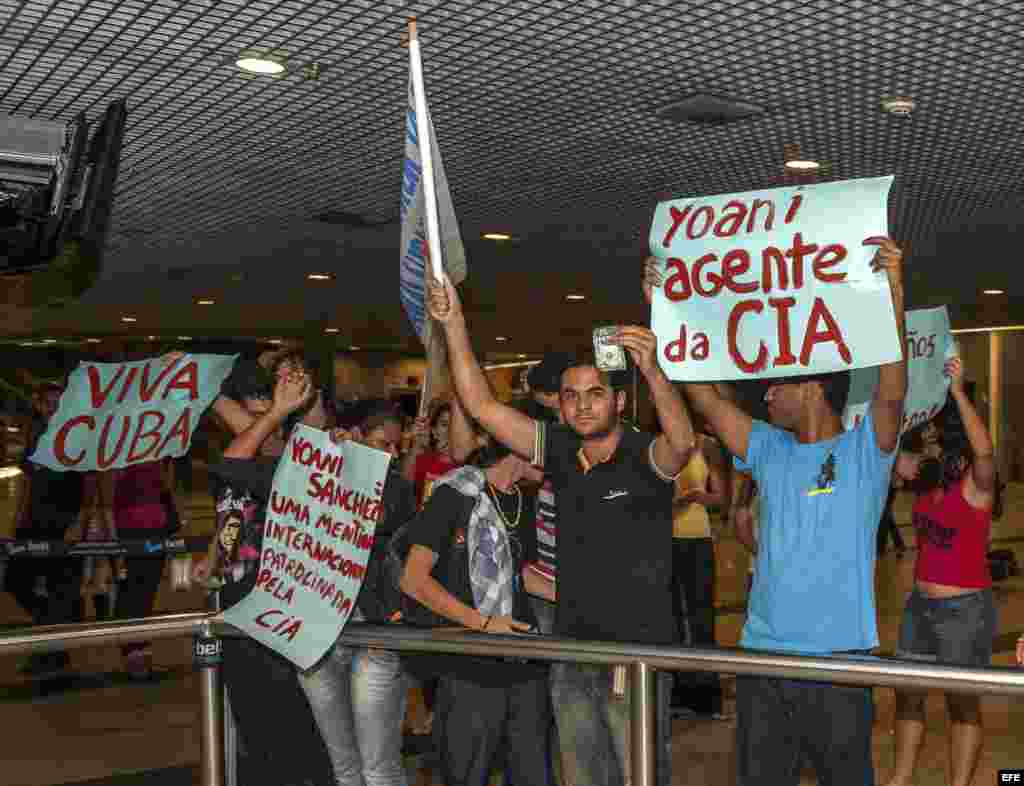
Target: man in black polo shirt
x,y
614,489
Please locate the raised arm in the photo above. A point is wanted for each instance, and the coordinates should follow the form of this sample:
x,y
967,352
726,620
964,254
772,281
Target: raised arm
x,y
887,405
508,425
462,435
983,468
731,424
232,415
676,443
290,393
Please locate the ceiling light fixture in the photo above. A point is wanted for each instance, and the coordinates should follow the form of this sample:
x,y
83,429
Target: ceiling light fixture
x,y
993,292
500,338
129,319
520,355
802,165
354,349
319,276
575,297
496,236
263,63
93,341
901,106
184,338
205,302
49,341
150,338
276,341
330,330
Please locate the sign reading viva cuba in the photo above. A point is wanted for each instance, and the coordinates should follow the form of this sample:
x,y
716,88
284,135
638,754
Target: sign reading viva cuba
x,y
113,415
773,283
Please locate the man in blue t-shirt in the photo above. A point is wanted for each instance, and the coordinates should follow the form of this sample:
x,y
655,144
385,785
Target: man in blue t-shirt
x,y
822,492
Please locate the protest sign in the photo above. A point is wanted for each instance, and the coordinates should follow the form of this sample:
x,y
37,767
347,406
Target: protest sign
x,y
929,345
113,415
323,512
773,283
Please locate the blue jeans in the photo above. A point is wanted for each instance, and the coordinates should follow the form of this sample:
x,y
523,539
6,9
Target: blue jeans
x,y
595,724
358,697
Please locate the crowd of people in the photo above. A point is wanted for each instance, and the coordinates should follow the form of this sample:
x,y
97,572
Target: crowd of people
x,y
557,515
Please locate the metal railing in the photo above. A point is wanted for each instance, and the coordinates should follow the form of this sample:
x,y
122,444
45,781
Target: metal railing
x,y
641,660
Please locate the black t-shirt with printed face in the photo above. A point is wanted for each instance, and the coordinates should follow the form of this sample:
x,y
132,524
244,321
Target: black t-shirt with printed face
x,y
441,526
614,541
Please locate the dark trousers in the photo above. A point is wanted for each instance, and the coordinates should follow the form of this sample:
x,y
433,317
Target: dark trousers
x,y
693,600
279,734
136,593
476,724
782,722
63,581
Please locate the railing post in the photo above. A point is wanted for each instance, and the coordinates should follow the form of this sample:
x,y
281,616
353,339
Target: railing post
x,y
643,706
206,652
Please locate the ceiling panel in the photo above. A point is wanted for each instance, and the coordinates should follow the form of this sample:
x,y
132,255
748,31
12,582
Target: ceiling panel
x,y
546,114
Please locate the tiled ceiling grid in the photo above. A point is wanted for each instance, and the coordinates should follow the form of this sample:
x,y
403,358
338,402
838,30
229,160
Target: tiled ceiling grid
x,y
545,111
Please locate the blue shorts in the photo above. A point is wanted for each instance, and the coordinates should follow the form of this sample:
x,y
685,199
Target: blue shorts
x,y
957,630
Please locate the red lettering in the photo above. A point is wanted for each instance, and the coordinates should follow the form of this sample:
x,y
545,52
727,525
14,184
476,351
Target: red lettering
x,y
132,373
709,217
182,428
738,311
701,346
678,217
769,255
714,279
736,263
187,379
794,206
820,312
796,253
782,306
153,434
261,619
679,277
729,225
60,441
98,395
146,390
828,256
759,203
101,461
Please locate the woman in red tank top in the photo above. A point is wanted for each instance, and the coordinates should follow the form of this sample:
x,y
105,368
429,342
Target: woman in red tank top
x,y
950,616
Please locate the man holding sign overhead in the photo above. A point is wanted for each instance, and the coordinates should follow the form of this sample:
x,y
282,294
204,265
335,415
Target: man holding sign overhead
x,y
822,492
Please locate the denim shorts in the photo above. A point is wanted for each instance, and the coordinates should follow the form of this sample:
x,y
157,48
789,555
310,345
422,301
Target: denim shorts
x,y
957,630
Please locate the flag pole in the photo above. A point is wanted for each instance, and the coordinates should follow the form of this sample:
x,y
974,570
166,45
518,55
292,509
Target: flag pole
x,y
426,161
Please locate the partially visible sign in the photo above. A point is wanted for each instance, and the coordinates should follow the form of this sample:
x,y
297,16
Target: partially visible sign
x,y
773,283
113,415
323,512
929,345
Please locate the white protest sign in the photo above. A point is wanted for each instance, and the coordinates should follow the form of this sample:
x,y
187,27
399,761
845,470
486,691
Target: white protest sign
x,y
323,511
929,345
773,283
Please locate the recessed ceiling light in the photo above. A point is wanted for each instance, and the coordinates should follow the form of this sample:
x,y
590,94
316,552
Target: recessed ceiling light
x,y
802,165
500,338
319,276
184,338
93,341
49,341
355,349
496,236
276,341
898,105
993,292
150,338
205,302
263,63
575,297
129,319
330,330
520,355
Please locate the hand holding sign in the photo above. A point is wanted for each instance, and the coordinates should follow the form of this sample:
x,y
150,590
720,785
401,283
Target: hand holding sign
x,y
954,369
650,278
443,302
889,258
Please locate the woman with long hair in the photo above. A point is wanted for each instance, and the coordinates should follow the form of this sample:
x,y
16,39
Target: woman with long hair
x,y
950,616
